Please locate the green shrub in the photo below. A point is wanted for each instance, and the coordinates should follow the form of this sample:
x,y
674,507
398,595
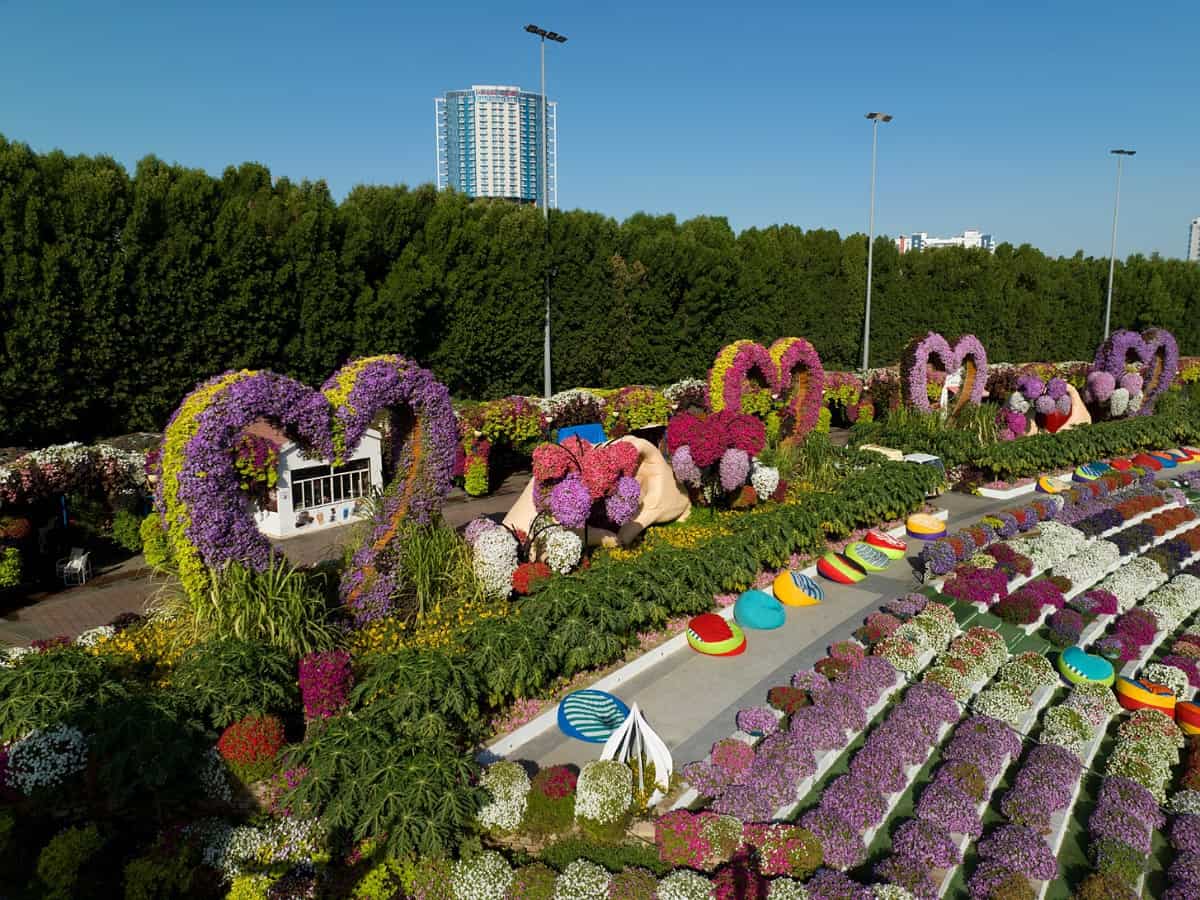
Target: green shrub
x,y
632,884
45,688
550,805
147,749
59,862
534,882
226,680
126,530
613,857
382,882
8,821
421,798
155,546
1104,887
250,887
159,875
10,567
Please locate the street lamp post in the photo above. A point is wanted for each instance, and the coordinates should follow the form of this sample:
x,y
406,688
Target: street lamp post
x,y
876,118
1112,257
543,34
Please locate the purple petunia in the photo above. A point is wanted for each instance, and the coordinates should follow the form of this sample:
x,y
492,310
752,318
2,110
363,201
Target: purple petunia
x,y
1021,849
945,805
927,843
623,504
842,844
1185,834
829,884
853,801
570,502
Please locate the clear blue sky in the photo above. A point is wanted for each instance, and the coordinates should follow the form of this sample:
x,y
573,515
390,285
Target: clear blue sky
x,y
1004,111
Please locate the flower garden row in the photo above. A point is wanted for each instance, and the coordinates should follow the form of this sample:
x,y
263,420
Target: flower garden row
x,y
764,771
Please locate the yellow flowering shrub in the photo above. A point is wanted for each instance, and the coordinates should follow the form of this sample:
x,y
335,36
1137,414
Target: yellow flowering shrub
x,y
437,629
155,645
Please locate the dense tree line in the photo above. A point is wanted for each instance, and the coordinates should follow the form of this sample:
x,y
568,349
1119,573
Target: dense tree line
x,y
119,292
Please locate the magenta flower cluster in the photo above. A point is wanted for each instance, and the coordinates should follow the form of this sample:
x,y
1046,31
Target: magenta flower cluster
x,y
325,681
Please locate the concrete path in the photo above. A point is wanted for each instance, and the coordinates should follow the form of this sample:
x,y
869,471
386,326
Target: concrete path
x,y
691,700
128,586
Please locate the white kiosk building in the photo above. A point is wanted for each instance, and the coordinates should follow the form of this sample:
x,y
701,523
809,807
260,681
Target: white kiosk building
x,y
312,494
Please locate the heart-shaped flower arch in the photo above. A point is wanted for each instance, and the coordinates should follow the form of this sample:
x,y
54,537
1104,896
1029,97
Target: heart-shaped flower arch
x,y
791,366
1154,351
204,512
967,352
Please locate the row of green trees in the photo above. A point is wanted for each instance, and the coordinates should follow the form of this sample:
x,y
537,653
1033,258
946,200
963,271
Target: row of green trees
x,y
120,292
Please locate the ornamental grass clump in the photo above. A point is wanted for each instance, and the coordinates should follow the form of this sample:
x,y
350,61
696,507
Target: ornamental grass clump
x,y
535,882
508,784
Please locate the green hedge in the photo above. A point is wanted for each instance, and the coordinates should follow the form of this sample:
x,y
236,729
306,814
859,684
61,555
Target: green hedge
x,y
1087,443
1042,452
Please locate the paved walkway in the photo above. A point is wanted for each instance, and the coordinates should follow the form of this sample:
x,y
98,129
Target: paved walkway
x,y
691,700
129,586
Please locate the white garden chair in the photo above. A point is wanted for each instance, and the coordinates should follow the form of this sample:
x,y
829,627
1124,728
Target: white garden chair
x,y
74,569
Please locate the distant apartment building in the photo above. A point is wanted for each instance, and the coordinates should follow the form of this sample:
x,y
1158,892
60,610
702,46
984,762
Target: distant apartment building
x,y
489,143
1193,253
971,238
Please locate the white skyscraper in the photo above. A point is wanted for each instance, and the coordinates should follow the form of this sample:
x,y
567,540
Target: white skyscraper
x,y
1194,241
489,143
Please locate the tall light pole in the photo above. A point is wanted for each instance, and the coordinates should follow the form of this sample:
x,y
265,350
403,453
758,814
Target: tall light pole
x,y
876,118
543,34
1112,256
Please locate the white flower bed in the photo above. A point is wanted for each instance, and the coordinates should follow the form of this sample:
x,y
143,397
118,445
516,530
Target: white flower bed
x,y
583,880
604,791
563,549
94,636
1053,545
1084,566
45,758
787,889
485,876
684,884
1175,601
212,777
9,656
1168,677
1133,581
508,783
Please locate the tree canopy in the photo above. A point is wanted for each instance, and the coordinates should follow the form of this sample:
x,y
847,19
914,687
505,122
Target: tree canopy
x,y
121,291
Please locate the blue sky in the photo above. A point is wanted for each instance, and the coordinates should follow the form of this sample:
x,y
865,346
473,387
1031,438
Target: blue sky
x,y
1004,111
